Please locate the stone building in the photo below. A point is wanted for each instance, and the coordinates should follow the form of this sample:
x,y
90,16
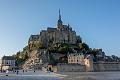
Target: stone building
x,y
88,67
88,61
76,58
61,34
7,62
79,58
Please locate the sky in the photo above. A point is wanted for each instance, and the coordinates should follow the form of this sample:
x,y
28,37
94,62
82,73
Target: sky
x,y
96,21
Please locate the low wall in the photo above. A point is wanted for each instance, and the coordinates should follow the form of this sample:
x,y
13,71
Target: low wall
x,y
106,66
71,68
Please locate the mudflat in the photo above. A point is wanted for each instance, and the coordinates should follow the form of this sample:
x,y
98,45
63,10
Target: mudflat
x,y
91,75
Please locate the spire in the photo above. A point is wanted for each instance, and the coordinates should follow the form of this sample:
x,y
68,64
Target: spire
x,y
59,15
59,20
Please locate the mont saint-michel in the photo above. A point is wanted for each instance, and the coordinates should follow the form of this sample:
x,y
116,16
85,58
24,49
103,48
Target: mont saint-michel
x,y
61,34
59,52
60,49
59,40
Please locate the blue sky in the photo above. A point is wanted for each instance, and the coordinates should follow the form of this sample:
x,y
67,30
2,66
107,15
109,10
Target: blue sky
x,y
96,21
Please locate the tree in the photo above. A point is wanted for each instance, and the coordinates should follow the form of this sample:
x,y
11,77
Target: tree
x,y
17,55
63,59
39,45
84,46
64,48
52,60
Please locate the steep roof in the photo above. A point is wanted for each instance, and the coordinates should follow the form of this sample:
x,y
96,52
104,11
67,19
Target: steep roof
x,y
8,58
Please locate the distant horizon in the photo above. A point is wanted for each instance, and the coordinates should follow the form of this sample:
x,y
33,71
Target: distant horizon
x,y
97,22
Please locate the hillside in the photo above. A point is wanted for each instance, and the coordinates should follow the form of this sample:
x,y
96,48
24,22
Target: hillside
x,y
52,46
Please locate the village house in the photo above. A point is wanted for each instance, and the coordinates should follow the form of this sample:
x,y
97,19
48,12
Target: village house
x,y
7,63
76,58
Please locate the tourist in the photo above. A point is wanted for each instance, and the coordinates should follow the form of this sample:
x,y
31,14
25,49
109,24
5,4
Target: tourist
x,y
23,70
13,71
17,72
7,71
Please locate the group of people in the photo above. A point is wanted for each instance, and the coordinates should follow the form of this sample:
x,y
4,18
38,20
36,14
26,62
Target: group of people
x,y
15,71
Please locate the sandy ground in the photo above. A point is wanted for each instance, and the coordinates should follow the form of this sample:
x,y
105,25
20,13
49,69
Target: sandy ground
x,y
40,75
91,76
30,75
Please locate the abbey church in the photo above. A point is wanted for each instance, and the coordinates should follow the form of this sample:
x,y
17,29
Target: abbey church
x,y
61,34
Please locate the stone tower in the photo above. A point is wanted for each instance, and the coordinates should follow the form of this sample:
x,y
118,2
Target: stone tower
x,y
88,61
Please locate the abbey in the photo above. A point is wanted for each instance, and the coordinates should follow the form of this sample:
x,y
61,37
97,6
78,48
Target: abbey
x,y
61,34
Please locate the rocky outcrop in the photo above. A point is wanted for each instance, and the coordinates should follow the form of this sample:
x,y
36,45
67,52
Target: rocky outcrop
x,y
36,60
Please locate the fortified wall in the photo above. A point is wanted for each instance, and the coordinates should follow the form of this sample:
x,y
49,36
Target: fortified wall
x,y
106,66
71,68
95,67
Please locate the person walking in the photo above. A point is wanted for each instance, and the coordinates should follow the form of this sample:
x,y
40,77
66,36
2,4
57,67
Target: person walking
x,y
17,72
23,70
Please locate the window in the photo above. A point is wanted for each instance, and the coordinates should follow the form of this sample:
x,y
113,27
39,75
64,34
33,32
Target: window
x,y
71,60
77,60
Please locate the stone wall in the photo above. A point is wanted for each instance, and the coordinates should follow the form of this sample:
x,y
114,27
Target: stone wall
x,y
106,66
97,67
70,68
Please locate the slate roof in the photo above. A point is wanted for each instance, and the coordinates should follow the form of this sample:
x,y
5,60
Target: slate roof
x,y
8,58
